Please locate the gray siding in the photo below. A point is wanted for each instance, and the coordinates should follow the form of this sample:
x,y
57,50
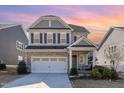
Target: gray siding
x,y
8,38
45,24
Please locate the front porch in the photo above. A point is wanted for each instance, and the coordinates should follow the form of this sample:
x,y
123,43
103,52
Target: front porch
x,y
81,58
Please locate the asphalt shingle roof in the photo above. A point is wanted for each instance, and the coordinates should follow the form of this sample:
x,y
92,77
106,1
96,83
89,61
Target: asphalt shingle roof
x,y
78,28
2,26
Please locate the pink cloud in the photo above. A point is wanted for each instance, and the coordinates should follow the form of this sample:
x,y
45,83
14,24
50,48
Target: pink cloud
x,y
19,17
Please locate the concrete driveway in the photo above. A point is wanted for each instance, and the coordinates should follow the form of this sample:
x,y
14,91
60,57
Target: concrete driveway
x,y
43,80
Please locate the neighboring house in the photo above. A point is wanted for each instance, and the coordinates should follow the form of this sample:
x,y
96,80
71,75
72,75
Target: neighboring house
x,y
114,37
12,43
56,47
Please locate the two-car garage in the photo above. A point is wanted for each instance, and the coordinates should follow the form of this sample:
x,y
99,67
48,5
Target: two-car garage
x,y
49,64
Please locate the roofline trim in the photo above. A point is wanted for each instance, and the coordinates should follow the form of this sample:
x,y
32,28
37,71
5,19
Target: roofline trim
x,y
82,38
105,37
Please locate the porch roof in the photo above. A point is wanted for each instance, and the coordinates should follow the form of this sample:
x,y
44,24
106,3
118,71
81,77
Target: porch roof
x,y
83,46
46,47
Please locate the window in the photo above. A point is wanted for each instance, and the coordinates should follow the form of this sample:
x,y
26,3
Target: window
x,y
41,36
19,45
32,38
63,38
54,38
20,58
53,59
81,59
45,38
62,59
67,38
36,38
58,38
45,59
75,38
49,38
36,60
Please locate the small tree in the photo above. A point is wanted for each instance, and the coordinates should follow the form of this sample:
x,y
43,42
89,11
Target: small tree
x,y
114,54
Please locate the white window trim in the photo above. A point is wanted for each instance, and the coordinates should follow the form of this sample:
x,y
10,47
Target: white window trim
x,y
23,46
52,39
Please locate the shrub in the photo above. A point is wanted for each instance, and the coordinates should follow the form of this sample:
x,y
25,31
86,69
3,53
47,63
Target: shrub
x,y
2,66
96,74
74,71
114,74
22,69
106,74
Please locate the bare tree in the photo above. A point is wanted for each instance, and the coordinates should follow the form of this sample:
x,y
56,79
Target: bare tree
x,y
114,53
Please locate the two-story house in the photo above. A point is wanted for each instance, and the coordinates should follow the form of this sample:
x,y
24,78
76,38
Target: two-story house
x,y
56,47
13,40
113,43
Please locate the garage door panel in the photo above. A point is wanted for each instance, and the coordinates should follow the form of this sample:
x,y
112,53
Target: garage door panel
x,y
49,65
56,67
40,67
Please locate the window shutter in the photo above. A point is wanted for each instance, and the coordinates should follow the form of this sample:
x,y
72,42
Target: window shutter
x,y
45,38
41,35
32,38
67,37
54,38
58,38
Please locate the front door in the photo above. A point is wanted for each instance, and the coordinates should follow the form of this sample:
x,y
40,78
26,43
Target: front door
x,y
74,61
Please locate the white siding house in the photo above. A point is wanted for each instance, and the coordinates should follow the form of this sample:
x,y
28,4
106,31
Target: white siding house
x,y
115,36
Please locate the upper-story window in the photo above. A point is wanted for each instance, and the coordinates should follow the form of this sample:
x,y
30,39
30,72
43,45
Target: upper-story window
x,y
75,38
63,38
19,45
36,38
49,38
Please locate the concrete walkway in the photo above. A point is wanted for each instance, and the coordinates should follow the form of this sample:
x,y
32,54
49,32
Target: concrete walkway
x,y
43,80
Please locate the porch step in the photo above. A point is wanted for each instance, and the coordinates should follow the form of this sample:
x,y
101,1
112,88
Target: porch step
x,y
84,73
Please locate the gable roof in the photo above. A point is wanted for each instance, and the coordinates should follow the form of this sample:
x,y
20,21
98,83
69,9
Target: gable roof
x,y
8,26
83,42
49,22
3,26
78,28
107,36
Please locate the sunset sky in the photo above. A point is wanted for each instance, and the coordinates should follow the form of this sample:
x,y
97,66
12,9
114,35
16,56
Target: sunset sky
x,y
96,18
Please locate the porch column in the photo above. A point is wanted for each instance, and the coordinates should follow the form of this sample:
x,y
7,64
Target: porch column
x,y
70,59
94,58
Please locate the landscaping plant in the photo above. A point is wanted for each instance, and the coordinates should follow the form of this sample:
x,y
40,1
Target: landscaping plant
x,y
96,74
22,69
74,71
100,72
